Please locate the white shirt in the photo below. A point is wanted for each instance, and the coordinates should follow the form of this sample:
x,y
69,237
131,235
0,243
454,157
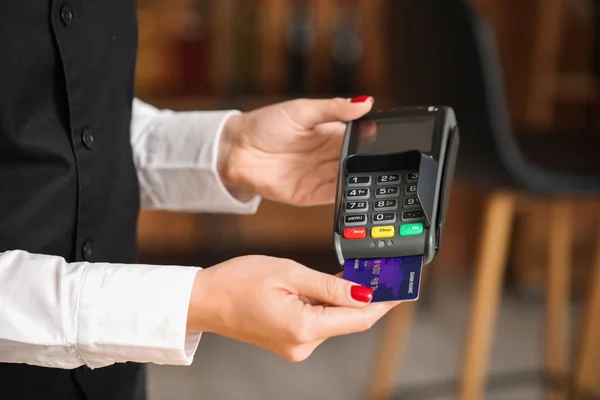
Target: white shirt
x,y
64,315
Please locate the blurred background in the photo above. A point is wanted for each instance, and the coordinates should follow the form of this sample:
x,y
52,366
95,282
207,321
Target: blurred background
x,y
517,265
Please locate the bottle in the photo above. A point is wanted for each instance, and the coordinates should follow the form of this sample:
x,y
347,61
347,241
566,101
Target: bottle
x,y
192,49
299,42
347,49
246,46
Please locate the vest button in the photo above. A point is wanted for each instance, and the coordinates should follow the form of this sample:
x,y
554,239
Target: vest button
x,y
87,138
66,15
86,251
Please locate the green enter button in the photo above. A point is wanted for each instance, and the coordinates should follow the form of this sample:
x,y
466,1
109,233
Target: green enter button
x,y
411,229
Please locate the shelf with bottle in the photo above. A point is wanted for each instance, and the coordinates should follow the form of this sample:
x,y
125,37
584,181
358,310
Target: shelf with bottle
x,y
260,47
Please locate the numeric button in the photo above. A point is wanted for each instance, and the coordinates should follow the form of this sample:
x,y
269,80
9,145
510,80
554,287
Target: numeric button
x,y
411,202
412,177
385,205
357,194
359,181
355,219
387,192
384,218
388,179
411,189
357,206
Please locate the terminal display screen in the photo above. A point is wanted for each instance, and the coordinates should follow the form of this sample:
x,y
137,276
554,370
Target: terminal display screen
x,y
392,135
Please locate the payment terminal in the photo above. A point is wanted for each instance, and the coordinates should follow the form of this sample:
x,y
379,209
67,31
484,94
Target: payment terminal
x,y
395,175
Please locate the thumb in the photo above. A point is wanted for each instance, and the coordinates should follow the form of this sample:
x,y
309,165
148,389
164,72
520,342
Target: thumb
x,y
311,112
331,289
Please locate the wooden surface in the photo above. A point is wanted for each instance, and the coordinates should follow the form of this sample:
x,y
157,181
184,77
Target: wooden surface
x,y
487,288
558,304
167,233
586,380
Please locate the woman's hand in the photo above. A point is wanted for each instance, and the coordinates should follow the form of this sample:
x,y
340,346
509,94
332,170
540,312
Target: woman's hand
x,y
279,305
289,152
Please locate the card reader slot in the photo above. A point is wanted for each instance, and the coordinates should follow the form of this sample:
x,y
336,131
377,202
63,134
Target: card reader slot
x,y
446,184
428,171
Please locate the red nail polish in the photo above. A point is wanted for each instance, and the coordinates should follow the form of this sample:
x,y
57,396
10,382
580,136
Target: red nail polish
x,y
361,293
360,99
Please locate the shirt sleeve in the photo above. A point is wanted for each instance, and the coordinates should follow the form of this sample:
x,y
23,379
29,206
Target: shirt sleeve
x,y
93,314
176,156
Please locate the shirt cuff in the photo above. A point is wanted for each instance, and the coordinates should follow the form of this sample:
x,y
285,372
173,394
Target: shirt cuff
x,y
179,169
135,313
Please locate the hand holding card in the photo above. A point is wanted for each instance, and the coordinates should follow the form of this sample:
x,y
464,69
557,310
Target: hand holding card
x,y
279,305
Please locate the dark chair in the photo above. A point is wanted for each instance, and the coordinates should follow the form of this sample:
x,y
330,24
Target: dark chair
x,y
443,52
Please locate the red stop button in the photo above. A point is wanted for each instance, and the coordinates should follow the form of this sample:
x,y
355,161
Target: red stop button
x,y
355,233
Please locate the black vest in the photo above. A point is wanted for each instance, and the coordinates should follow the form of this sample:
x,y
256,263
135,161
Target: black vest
x,y
68,185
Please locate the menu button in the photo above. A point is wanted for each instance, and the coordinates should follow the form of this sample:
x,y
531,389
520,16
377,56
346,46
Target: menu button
x,y
356,219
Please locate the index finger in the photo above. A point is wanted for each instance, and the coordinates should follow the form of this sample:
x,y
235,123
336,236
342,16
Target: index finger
x,y
309,113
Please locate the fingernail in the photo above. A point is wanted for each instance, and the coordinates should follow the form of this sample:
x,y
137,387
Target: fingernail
x,y
361,293
361,99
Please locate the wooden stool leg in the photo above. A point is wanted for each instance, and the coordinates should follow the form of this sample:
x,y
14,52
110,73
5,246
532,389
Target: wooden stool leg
x,y
558,295
392,344
490,268
589,335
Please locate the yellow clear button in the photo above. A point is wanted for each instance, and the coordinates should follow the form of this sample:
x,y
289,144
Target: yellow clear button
x,y
382,232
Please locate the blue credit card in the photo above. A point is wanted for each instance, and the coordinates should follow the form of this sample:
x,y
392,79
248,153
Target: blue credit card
x,y
392,279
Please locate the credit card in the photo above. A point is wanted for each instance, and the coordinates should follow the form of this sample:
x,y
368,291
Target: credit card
x,y
392,279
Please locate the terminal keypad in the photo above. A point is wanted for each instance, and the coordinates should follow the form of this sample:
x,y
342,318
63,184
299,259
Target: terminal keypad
x,y
381,206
